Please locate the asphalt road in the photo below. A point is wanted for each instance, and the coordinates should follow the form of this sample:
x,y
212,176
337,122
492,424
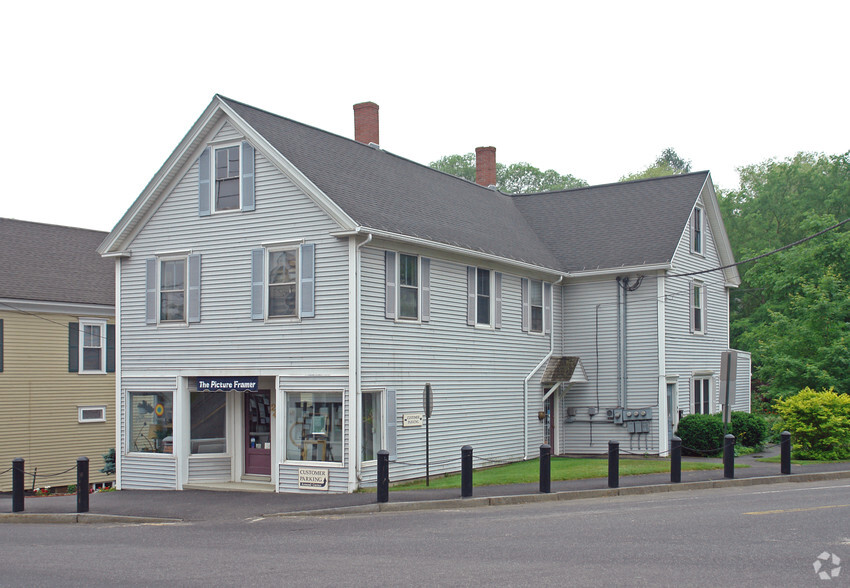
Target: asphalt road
x,y
754,536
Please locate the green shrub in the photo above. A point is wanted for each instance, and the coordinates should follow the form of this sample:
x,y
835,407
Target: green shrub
x,y
819,423
750,430
701,434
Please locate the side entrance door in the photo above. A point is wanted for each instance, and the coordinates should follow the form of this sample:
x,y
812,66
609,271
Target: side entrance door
x,y
258,438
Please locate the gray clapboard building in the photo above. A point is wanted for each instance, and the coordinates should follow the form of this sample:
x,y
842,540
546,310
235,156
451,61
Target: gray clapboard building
x,y
284,295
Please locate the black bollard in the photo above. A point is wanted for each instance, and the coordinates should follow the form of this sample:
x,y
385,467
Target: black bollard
x,y
729,456
675,459
545,468
18,484
785,452
383,476
82,484
466,471
613,464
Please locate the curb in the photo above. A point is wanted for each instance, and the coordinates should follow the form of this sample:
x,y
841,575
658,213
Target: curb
x,y
83,518
455,503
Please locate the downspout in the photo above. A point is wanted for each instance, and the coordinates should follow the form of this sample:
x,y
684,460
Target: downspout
x,y
120,418
626,344
619,348
354,474
534,371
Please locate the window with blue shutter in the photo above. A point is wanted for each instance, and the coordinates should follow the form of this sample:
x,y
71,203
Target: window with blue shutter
x,y
247,176
226,179
497,312
257,284
390,289
525,305
204,187
308,280
425,280
194,311
150,291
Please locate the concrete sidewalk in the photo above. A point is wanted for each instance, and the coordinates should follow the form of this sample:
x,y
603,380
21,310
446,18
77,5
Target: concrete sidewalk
x,y
152,506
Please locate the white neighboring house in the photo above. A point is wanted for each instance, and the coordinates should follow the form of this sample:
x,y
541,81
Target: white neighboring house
x,y
284,295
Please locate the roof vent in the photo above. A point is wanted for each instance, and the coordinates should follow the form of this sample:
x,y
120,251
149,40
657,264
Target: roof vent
x,y
374,146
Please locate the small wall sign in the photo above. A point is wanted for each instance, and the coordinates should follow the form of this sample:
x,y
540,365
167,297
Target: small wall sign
x,y
313,479
412,420
227,383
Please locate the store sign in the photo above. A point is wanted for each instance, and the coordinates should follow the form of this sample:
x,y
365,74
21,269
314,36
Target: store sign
x,y
412,420
227,384
313,479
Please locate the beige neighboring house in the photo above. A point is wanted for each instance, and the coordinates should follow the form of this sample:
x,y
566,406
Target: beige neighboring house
x,y
57,352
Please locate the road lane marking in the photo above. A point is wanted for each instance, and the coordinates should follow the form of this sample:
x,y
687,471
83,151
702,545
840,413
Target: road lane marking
x,y
784,510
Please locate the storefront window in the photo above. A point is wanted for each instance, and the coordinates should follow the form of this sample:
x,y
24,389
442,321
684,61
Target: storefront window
x,y
151,422
370,406
208,415
314,426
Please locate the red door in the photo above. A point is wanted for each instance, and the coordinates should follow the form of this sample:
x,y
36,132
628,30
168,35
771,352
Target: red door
x,y
258,437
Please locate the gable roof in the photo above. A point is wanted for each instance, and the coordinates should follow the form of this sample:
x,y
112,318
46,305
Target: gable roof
x,y
369,190
626,224
52,263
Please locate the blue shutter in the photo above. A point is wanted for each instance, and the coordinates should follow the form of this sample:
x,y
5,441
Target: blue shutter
x,y
704,310
258,258
390,275
194,312
526,309
470,295
110,348
204,185
497,319
308,280
547,308
691,306
73,347
426,289
247,176
150,291
392,427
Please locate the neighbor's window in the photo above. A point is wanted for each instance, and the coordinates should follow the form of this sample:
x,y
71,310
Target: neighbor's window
x,y
697,231
172,290
408,281
91,414
283,283
535,289
93,345
370,406
227,178
207,414
702,395
482,296
698,308
314,426
151,422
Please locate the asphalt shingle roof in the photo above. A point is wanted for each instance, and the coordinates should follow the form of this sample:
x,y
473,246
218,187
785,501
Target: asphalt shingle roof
x,y
51,263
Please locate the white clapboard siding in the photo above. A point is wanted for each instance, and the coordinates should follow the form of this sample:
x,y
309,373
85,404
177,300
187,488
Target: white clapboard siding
x,y
209,469
142,467
148,472
476,373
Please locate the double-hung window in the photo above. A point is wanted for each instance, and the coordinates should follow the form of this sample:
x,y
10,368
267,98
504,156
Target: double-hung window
x,y
227,178
697,244
172,290
483,297
536,306
408,286
702,395
92,344
283,283
697,307
535,290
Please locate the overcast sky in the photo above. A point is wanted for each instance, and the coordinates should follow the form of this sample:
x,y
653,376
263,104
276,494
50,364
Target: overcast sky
x,y
97,94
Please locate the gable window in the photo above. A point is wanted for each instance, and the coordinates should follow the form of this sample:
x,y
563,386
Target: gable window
x,y
227,178
283,283
408,283
172,290
697,307
697,231
702,396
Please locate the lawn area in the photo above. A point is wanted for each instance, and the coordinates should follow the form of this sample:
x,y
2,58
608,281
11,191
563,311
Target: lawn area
x,y
563,468
778,458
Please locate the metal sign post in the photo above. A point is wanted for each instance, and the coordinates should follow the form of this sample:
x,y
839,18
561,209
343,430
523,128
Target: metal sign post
x,y
428,407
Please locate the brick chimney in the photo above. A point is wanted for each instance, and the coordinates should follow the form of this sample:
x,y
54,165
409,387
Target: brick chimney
x,y
366,123
485,166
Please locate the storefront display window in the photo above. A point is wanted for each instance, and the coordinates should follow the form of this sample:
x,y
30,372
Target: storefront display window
x,y
370,406
314,426
208,416
151,422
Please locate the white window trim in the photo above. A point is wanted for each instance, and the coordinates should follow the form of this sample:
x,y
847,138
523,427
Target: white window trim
x,y
701,286
698,227
84,322
82,419
159,261
296,249
542,330
398,317
708,376
213,200
492,323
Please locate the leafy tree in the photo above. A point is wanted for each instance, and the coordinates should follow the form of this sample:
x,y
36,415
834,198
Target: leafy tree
x,y
667,164
516,178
